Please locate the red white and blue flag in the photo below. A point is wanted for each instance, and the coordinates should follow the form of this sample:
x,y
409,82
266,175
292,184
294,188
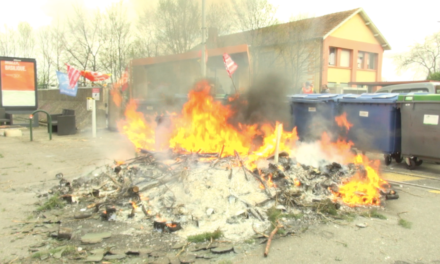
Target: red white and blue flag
x,y
230,65
73,75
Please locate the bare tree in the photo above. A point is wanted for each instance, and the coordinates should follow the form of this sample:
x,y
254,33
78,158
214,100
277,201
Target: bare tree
x,y
25,39
178,25
423,57
85,38
8,42
299,49
254,17
219,17
117,45
146,43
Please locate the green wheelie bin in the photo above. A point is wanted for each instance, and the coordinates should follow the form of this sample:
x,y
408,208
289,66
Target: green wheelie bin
x,y
420,128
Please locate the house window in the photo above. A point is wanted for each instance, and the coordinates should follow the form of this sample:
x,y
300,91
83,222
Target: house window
x,y
332,57
361,58
372,61
345,58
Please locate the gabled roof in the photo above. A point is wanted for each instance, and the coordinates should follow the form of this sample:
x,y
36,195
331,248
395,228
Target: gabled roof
x,y
317,28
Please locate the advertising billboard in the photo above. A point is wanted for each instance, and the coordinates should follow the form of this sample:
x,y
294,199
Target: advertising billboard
x,y
18,83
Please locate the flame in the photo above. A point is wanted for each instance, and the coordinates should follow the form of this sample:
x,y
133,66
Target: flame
x,y
268,181
362,189
171,225
203,127
134,205
116,95
343,122
119,162
136,128
340,149
296,182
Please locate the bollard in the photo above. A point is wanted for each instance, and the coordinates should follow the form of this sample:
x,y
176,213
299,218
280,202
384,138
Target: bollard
x,y
49,123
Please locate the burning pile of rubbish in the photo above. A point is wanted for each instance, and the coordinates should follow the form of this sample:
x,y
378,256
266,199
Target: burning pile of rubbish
x,y
198,173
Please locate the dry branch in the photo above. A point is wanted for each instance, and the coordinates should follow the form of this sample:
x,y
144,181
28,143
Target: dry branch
x,y
269,240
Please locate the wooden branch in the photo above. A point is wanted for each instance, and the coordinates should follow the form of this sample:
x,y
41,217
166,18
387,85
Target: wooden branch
x,y
269,240
241,164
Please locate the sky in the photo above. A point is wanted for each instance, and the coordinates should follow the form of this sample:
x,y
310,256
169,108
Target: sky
x,y
402,23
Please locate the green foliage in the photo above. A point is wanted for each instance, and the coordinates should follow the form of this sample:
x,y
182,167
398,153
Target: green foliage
x,y
434,76
374,214
206,236
404,223
53,202
292,216
1,155
273,214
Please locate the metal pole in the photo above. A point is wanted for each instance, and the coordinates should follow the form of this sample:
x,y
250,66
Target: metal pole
x,y
94,118
203,62
30,126
279,129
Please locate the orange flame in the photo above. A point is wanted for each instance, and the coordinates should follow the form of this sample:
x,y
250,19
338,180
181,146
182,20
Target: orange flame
x,y
343,122
296,182
362,189
136,128
171,225
134,205
116,95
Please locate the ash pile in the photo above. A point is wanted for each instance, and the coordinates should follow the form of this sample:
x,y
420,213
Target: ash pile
x,y
192,193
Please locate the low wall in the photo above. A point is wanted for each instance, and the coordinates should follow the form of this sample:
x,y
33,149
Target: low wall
x,y
53,102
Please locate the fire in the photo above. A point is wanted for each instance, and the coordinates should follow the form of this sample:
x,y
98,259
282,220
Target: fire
x,y
119,162
340,149
116,95
343,122
203,127
362,188
268,181
136,128
171,225
134,205
296,182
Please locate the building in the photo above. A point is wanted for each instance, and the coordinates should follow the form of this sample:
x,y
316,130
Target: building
x,y
335,49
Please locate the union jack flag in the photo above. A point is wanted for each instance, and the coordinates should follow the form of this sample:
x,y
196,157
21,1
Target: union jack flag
x,y
230,65
73,75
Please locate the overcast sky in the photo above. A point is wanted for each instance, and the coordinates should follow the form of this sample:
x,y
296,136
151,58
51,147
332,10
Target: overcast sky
x,y
403,23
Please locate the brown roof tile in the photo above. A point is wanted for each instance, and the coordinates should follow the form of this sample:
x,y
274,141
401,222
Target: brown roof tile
x,y
317,27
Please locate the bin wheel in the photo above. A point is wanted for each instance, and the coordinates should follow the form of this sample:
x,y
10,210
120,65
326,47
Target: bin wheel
x,y
418,161
398,158
410,163
387,159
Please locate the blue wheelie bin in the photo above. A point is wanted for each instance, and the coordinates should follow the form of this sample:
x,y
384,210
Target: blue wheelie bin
x,y
313,114
376,123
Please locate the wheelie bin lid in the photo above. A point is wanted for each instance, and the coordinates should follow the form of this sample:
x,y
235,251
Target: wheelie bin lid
x,y
419,98
370,98
308,98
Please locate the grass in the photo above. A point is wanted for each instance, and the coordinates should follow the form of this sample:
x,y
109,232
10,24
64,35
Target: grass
x,y
53,202
405,223
225,262
292,216
1,155
273,214
374,214
250,241
28,164
207,236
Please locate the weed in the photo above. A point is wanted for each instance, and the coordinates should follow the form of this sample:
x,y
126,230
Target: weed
x,y
327,207
374,214
225,262
3,210
292,216
273,214
207,236
348,216
4,173
250,241
28,164
404,223
53,202
30,217
281,231
1,155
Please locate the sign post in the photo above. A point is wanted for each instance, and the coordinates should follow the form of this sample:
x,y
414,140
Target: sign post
x,y
91,106
95,93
